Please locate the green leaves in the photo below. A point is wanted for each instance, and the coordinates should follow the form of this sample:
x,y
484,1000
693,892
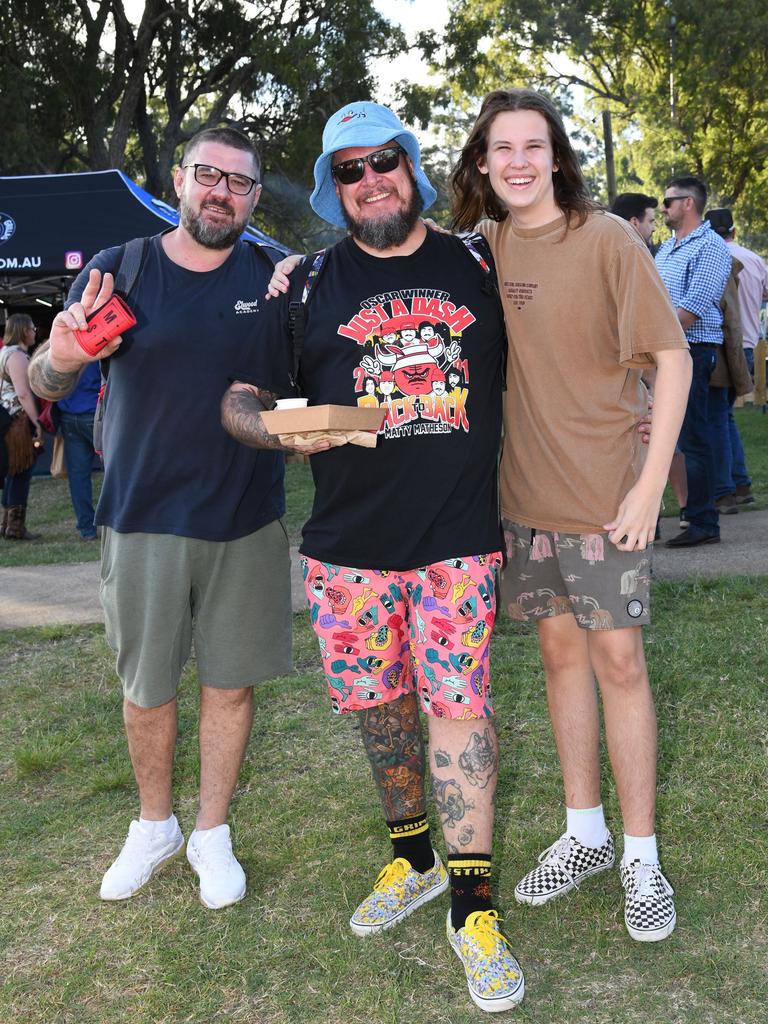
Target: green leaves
x,y
684,80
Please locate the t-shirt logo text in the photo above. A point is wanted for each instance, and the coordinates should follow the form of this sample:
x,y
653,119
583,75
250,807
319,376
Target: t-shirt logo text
x,y
520,292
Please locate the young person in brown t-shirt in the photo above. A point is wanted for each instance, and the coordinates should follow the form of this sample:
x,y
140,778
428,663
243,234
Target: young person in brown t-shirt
x,y
585,312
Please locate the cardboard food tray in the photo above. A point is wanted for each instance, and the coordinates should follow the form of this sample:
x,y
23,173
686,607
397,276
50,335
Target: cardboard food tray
x,y
323,417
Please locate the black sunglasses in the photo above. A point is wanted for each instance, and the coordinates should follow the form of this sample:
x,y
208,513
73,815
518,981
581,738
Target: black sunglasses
x,y
667,201
238,184
382,162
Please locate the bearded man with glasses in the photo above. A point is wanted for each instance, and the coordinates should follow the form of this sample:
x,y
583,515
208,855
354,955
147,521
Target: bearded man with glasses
x,y
695,265
192,544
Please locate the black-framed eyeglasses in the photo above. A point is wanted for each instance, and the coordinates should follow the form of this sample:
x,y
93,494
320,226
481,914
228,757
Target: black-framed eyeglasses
x,y
238,184
383,161
667,201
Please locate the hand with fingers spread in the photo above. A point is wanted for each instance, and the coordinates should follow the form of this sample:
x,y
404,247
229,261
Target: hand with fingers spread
x,y
65,354
280,280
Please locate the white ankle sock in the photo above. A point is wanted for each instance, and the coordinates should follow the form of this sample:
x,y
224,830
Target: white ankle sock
x,y
642,848
159,828
587,825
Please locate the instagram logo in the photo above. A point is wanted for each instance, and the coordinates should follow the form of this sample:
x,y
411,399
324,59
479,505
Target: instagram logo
x,y
73,260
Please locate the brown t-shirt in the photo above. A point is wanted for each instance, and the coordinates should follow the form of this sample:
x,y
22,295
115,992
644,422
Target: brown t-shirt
x,y
585,311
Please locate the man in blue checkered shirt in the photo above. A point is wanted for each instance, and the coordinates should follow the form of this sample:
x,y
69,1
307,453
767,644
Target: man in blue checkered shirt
x,y
695,266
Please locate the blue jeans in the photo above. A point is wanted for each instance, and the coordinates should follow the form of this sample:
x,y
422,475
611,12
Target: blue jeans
x,y
730,464
16,488
77,430
696,443
739,475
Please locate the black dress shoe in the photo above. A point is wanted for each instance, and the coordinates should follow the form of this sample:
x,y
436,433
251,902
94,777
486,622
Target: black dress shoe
x,y
692,537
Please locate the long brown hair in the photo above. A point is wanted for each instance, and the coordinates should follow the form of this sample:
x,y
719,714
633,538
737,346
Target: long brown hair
x,y
15,326
473,197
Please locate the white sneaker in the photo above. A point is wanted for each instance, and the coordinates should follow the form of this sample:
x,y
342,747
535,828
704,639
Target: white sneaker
x,y
222,879
144,852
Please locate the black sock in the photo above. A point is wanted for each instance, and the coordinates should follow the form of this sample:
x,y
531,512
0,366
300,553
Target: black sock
x,y
410,839
470,885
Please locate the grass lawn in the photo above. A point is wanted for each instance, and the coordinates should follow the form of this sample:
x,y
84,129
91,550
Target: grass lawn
x,y
308,830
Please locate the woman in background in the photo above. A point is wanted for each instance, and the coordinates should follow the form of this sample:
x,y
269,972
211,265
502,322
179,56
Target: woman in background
x,y
25,429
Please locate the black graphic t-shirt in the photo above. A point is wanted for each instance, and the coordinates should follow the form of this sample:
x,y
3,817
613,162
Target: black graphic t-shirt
x,y
421,336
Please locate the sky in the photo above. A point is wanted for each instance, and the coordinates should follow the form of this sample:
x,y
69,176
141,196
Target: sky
x,y
412,18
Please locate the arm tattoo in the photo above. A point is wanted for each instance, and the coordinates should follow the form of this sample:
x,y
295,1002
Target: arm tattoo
x,y
395,748
49,383
241,416
480,759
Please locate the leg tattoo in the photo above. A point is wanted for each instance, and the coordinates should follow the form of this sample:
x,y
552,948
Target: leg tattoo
x,y
450,802
395,748
480,759
464,758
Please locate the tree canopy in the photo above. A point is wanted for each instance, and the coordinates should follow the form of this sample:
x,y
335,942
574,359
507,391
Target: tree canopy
x,y
83,86
88,84
685,81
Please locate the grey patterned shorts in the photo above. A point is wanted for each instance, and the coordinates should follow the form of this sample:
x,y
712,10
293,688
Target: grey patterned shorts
x,y
582,574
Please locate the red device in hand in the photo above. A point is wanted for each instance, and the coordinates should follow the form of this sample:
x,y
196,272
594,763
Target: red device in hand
x,y
104,324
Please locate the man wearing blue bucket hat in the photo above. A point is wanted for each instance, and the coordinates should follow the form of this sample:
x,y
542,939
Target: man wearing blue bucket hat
x,y
364,124
402,549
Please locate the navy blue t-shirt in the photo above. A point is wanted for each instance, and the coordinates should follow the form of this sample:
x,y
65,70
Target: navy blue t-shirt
x,y
169,465
421,336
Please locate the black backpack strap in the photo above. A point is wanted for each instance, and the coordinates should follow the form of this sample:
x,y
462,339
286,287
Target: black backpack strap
x,y
303,280
477,247
132,257
265,253
131,261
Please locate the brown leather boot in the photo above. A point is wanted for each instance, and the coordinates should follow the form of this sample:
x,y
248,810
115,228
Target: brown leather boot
x,y
15,528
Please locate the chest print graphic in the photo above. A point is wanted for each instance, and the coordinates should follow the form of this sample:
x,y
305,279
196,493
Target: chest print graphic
x,y
520,293
411,360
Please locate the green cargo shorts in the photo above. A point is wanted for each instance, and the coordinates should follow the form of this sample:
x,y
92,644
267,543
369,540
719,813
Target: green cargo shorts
x,y
161,593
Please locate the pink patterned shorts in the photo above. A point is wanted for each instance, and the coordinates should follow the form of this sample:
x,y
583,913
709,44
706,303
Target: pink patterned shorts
x,y
384,633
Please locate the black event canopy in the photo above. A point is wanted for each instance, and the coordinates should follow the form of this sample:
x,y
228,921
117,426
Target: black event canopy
x,y
52,224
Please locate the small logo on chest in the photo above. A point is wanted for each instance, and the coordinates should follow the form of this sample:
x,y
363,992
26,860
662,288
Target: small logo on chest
x,y
241,306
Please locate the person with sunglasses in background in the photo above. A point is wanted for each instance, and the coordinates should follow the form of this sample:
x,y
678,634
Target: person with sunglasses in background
x,y
695,265
402,550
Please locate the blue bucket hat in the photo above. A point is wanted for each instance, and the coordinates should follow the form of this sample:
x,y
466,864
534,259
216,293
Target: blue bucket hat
x,y
362,124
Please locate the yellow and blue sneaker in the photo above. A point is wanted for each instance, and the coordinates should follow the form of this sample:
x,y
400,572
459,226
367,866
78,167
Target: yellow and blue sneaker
x,y
399,890
494,978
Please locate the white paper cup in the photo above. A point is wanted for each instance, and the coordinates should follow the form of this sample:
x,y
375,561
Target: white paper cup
x,y
292,403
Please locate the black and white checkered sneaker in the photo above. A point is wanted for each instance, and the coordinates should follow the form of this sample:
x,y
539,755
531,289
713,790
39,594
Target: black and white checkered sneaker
x,y
562,867
649,910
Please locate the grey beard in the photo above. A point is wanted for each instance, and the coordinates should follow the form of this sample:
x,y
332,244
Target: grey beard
x,y
386,232
210,236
